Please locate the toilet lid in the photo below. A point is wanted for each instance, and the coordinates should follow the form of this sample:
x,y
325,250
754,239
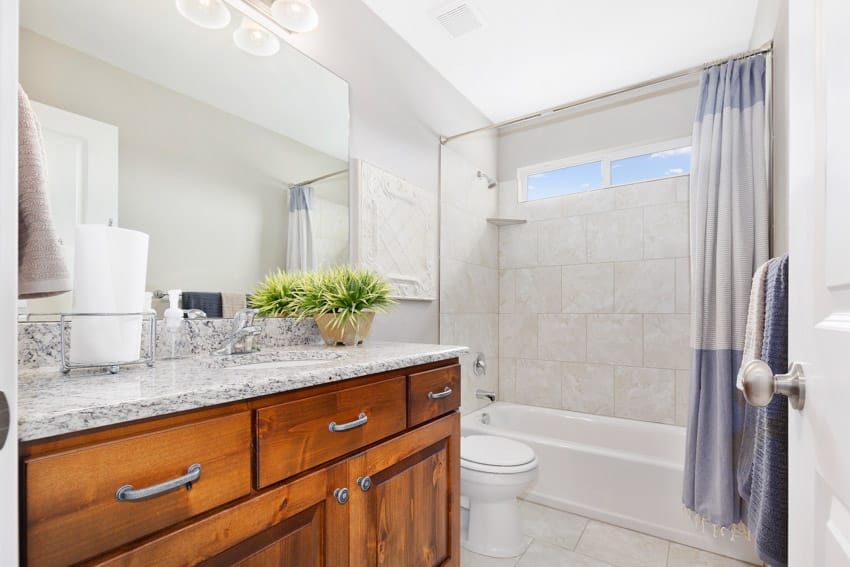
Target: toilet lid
x,y
495,451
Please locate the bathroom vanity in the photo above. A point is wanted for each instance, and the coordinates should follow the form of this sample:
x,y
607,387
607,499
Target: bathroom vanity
x,y
287,457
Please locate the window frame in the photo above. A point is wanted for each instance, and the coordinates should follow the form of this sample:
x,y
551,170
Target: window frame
x,y
606,157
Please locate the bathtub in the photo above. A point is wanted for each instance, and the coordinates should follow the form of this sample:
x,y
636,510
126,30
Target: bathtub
x,y
619,471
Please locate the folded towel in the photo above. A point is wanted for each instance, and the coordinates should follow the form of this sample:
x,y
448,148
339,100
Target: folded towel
x,y
231,303
208,302
41,268
768,507
752,350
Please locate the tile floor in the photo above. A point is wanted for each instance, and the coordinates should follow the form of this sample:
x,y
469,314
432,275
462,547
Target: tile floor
x,y
561,539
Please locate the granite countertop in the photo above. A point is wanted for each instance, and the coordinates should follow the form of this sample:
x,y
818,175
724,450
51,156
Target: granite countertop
x,y
51,403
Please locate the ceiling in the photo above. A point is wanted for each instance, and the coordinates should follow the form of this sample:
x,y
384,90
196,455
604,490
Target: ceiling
x,y
287,93
535,54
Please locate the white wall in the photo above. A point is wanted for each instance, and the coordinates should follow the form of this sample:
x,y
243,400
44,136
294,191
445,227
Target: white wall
x,y
206,185
9,279
399,107
772,23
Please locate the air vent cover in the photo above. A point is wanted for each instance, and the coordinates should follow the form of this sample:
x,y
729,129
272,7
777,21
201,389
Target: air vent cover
x,y
459,19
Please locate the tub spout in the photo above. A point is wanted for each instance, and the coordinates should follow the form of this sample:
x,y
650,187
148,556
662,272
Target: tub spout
x,y
485,395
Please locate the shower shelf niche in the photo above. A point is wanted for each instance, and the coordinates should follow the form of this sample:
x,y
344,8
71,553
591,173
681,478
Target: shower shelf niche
x,y
505,222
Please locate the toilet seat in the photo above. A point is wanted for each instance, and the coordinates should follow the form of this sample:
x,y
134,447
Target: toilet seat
x,y
496,455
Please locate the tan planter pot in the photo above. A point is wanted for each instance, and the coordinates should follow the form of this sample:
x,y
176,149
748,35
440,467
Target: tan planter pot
x,y
351,334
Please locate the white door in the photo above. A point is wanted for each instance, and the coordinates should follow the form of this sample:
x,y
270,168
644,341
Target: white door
x,y
8,280
82,181
819,317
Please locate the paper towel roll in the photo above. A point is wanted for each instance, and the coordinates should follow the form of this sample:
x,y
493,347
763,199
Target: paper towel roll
x,y
110,267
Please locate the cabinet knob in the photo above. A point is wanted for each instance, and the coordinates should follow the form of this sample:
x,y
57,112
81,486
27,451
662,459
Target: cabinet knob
x,y
365,483
341,495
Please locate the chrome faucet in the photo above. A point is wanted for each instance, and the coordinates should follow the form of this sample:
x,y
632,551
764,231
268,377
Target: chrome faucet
x,y
242,332
485,395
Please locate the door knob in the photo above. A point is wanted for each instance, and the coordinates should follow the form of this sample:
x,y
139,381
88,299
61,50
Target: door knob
x,y
4,419
760,384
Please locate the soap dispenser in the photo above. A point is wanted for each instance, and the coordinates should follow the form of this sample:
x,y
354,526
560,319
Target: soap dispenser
x,y
174,325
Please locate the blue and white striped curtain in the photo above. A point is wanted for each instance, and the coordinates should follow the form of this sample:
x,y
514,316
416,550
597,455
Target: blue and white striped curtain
x,y
300,247
729,223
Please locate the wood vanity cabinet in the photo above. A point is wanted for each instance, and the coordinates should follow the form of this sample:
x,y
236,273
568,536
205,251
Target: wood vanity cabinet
x,y
277,486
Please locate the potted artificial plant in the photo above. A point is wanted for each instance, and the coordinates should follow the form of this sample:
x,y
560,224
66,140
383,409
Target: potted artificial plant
x,y
342,300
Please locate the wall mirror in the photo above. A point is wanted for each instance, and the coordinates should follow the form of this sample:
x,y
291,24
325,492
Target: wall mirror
x,y
189,134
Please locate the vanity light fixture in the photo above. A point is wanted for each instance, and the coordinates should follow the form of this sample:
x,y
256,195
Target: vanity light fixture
x,y
295,15
209,14
253,38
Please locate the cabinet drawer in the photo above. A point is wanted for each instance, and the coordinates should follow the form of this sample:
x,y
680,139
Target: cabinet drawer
x,y
432,393
296,436
72,510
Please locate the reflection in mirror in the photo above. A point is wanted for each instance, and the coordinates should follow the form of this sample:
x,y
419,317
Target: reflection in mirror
x,y
227,146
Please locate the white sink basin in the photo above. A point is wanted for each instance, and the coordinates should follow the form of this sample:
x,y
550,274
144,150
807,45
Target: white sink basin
x,y
277,359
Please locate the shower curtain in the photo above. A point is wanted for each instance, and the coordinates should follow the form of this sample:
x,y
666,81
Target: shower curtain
x,y
729,227
300,251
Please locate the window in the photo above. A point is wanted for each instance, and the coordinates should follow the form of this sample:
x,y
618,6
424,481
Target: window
x,y
604,169
575,179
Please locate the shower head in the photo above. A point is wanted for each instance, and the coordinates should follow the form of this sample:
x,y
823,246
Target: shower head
x,y
490,181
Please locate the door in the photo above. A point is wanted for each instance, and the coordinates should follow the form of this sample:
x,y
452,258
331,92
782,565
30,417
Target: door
x,y
82,181
405,500
819,302
8,281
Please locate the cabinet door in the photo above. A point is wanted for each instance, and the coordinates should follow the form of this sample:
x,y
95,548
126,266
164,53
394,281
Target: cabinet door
x,y
299,524
408,513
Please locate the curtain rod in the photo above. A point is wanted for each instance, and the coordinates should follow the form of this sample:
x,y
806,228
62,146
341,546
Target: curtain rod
x,y
622,90
322,178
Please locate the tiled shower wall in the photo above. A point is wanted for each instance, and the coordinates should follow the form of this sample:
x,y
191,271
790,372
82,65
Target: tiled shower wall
x,y
469,275
594,301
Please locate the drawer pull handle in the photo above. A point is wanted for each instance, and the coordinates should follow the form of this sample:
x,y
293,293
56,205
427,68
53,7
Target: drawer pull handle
x,y
341,495
440,395
365,483
360,421
127,493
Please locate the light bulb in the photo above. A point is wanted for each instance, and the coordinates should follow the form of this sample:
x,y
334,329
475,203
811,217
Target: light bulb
x,y
209,14
295,15
252,38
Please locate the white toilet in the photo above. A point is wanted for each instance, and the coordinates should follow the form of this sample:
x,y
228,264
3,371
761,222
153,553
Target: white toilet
x,y
493,472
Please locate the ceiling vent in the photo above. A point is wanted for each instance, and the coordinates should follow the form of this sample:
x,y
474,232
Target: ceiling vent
x,y
459,18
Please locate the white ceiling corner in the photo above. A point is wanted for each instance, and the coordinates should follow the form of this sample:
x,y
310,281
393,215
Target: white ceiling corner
x,y
534,54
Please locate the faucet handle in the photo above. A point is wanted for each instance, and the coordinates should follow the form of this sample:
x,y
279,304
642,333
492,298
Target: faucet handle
x,y
244,318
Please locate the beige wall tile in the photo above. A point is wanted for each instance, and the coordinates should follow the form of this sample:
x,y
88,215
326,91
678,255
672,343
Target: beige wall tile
x,y
562,241
645,287
538,290
507,291
538,383
562,337
587,288
615,339
468,288
647,394
598,201
518,245
665,341
615,236
683,188
665,231
507,379
683,285
646,193
588,388
518,335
